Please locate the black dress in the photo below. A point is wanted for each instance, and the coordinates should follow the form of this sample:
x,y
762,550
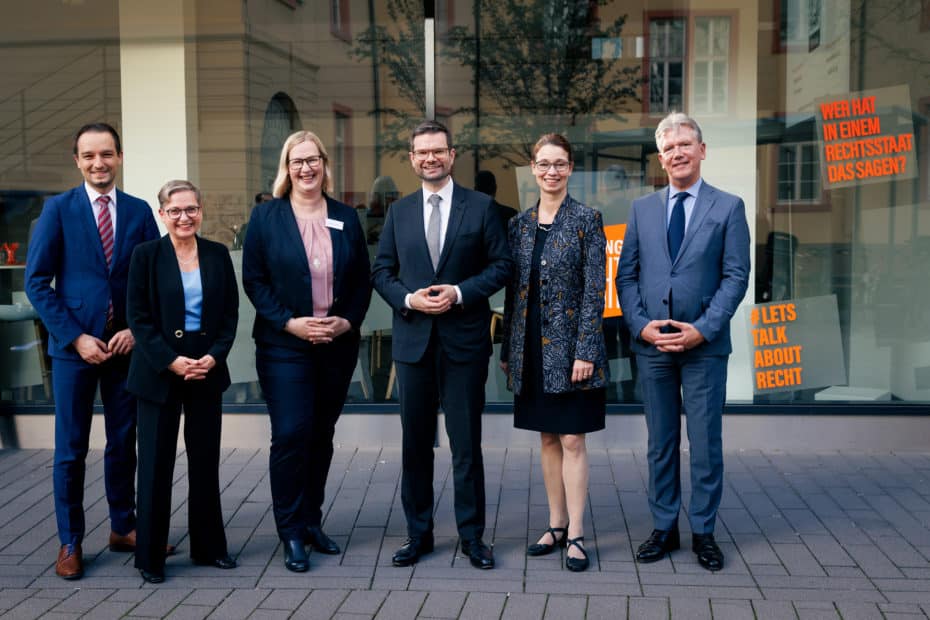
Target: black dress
x,y
566,413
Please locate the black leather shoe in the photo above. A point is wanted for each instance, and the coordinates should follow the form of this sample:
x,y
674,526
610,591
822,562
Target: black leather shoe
x,y
657,545
479,553
152,576
295,556
576,565
225,562
537,549
708,553
411,550
319,541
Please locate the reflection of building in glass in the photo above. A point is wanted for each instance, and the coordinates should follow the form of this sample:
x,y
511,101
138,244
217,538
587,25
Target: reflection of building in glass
x,y
207,91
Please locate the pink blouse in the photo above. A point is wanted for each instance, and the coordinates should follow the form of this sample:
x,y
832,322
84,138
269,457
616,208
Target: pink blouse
x,y
319,248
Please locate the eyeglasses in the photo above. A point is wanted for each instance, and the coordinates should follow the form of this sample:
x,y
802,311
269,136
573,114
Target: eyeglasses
x,y
424,154
297,163
174,213
560,166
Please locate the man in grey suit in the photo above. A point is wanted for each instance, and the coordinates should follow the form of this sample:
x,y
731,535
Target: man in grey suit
x,y
683,271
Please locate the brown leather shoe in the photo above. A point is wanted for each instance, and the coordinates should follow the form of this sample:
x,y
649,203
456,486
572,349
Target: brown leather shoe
x,y
70,564
127,543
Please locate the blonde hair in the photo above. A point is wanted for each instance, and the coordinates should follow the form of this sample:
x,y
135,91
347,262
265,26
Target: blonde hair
x,y
282,182
173,187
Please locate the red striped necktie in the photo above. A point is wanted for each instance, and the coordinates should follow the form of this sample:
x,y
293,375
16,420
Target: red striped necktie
x,y
105,228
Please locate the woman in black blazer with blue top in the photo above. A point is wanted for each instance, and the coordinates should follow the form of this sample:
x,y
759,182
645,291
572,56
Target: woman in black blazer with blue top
x,y
305,268
182,308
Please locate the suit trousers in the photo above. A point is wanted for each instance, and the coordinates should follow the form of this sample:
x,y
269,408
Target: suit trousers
x,y
693,384
459,388
305,392
158,443
74,384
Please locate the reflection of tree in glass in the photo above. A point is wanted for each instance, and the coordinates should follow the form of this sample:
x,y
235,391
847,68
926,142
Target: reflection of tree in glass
x,y
534,65
399,50
535,61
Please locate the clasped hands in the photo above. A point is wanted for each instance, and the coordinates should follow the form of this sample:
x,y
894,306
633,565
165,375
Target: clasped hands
x,y
95,351
191,369
687,337
434,299
317,330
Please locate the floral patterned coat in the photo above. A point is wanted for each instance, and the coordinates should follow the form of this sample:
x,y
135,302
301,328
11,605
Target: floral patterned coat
x,y
571,291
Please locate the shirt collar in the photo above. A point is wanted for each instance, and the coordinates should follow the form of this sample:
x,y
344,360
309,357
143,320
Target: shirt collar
x,y
93,194
445,193
691,191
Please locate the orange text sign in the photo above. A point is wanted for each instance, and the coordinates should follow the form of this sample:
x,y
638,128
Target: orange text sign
x,y
614,233
866,137
795,345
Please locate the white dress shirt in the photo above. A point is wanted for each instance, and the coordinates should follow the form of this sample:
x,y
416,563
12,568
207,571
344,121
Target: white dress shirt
x,y
445,209
93,195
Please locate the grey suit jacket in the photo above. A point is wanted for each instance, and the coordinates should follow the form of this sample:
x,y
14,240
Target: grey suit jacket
x,y
706,281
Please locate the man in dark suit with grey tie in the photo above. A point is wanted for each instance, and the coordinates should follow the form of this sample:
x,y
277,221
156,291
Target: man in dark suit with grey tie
x,y
683,271
442,253
76,277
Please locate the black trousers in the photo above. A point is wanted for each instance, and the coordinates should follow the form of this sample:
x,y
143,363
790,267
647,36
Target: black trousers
x,y
305,392
459,388
158,439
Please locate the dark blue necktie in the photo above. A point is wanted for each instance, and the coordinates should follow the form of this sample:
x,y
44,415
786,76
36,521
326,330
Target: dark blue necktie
x,y
676,225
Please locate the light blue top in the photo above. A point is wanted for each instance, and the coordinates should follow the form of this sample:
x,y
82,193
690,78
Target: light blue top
x,y
193,299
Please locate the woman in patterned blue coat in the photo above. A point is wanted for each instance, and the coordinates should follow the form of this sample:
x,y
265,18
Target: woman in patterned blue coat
x,y
553,351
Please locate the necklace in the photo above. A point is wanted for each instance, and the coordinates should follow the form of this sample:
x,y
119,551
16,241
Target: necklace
x,y
543,227
187,262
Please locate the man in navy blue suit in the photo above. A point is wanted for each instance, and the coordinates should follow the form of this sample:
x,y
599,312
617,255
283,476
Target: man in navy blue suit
x,y
683,271
82,243
442,253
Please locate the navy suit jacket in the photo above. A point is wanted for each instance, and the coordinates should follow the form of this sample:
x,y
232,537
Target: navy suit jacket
x,y
276,274
706,281
155,312
65,247
474,256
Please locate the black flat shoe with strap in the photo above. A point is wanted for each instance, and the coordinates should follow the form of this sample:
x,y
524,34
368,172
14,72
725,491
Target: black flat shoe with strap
x,y
537,549
576,565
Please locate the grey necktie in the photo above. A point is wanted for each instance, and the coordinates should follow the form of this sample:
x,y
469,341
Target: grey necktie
x,y
432,231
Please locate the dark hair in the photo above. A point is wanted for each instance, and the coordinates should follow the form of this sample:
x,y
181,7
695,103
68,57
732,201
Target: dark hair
x,y
431,127
555,139
486,183
98,128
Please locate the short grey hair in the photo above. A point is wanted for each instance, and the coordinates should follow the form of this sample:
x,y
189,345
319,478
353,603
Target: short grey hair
x,y
172,187
675,121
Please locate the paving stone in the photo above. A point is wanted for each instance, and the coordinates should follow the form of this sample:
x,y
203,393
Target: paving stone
x,y
773,610
321,604
858,611
363,602
731,610
607,608
443,605
281,599
401,606
689,609
482,605
565,607
239,604
524,606
648,609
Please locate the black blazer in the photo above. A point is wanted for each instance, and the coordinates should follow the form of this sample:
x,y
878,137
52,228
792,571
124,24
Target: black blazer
x,y
474,256
276,274
155,313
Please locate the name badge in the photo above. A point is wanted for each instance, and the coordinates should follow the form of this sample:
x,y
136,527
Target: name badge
x,y
337,224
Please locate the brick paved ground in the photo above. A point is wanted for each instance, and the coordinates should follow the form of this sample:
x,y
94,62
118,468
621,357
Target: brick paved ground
x,y
838,535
